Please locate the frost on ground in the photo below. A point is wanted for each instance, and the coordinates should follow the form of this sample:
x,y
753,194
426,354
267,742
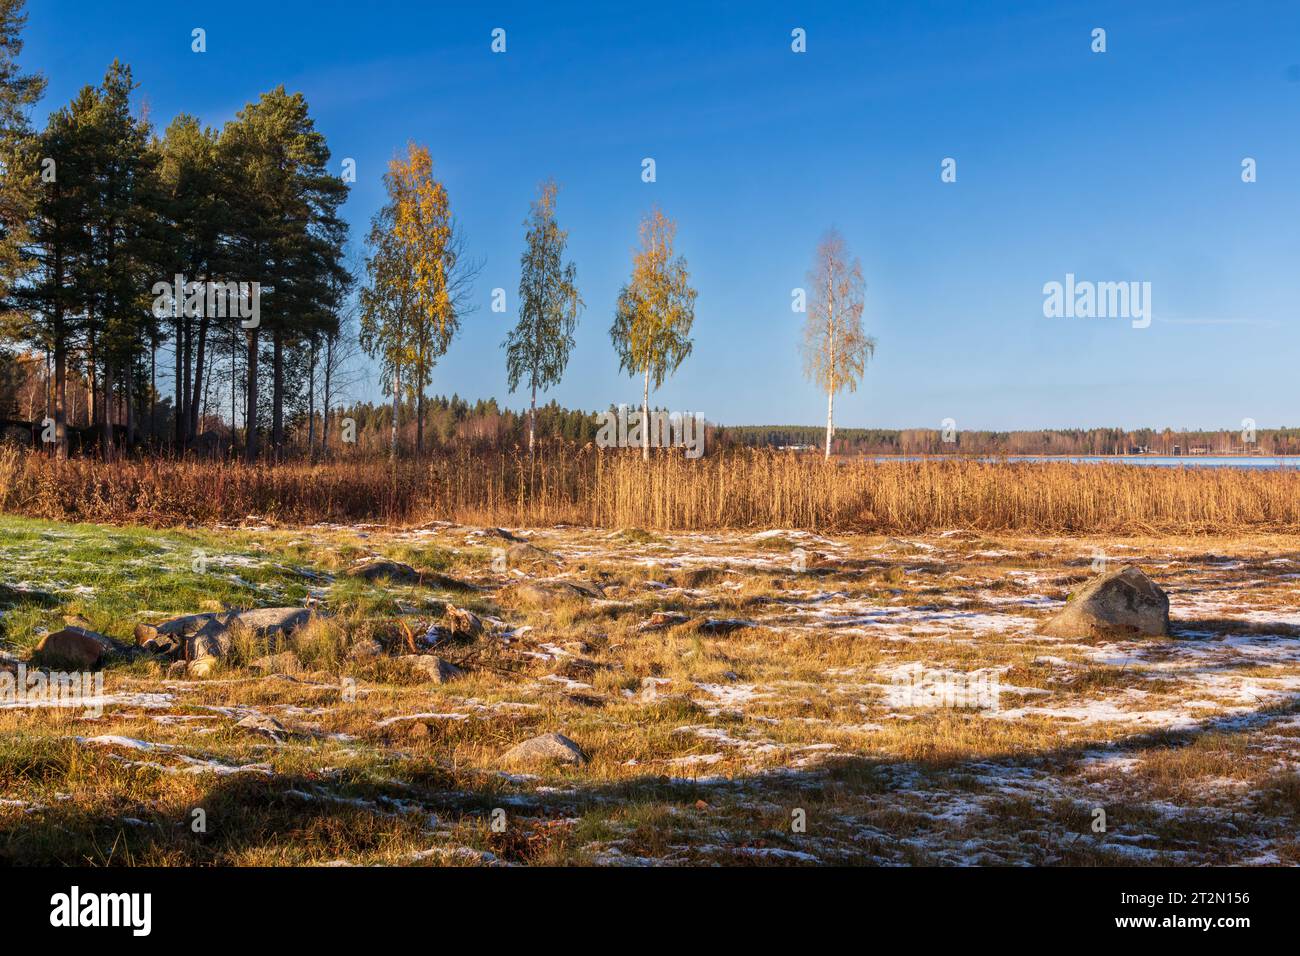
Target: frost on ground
x,y
771,698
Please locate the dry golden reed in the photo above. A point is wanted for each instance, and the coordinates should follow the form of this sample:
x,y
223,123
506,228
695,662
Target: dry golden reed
x,y
747,489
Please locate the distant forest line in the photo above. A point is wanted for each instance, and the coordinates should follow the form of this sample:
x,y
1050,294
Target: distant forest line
x,y
455,421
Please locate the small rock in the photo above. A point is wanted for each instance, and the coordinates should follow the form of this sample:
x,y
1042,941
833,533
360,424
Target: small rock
x,y
185,626
264,724
286,662
164,646
652,687
75,648
548,748
723,625
463,624
366,649
377,569
662,620
200,668
432,668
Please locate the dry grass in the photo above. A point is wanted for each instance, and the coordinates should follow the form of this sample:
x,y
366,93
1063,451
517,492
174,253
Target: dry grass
x,y
703,744
615,490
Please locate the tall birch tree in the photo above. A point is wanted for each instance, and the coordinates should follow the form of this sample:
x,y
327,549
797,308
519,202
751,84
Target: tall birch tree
x,y
420,280
836,349
655,312
537,349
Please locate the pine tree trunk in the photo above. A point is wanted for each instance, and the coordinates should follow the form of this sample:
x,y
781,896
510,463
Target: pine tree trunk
x,y
60,389
250,408
234,380
207,391
128,397
108,411
178,405
325,399
153,391
277,396
311,404
187,389
92,406
199,362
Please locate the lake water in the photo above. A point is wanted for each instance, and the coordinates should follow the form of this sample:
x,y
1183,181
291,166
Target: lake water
x,y
1156,461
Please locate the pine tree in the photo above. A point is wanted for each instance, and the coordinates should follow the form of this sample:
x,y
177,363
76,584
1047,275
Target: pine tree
x,y
285,233
197,214
51,309
19,163
114,278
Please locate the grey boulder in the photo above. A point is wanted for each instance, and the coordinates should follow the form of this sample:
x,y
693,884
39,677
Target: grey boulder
x,y
1120,603
209,634
548,748
432,668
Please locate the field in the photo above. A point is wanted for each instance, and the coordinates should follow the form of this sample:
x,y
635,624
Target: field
x,y
744,696
740,489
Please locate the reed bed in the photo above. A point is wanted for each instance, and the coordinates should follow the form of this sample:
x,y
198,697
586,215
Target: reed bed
x,y
742,490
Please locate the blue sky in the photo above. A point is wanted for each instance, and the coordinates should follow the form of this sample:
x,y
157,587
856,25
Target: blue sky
x,y
1122,166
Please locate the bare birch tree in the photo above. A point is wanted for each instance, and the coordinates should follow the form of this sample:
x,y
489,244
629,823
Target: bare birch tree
x,y
836,349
